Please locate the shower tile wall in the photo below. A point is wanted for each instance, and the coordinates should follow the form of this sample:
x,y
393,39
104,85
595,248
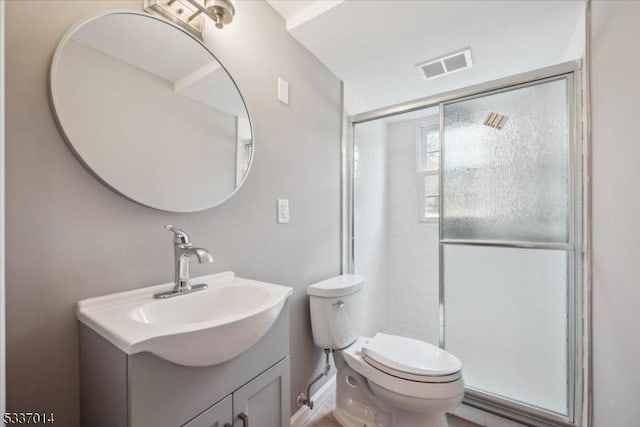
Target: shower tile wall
x,y
371,222
412,246
397,254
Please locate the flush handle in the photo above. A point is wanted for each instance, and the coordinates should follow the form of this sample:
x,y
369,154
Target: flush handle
x,y
245,419
339,304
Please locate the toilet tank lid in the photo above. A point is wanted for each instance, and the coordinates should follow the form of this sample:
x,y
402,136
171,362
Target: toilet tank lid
x,y
337,286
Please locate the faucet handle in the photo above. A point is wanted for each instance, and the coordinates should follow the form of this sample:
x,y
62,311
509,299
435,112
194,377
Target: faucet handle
x,y
179,236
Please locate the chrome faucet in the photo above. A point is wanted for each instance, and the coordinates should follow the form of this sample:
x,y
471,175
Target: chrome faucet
x,y
183,252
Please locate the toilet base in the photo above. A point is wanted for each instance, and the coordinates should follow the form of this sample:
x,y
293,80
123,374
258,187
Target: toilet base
x,y
354,406
359,403
347,420
401,418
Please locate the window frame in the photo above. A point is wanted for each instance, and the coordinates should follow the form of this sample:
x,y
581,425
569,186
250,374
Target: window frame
x,y
432,123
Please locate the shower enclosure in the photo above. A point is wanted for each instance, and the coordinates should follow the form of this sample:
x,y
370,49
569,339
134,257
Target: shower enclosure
x,y
464,213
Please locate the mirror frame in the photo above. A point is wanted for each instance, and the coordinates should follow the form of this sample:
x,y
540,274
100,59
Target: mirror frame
x,y
53,96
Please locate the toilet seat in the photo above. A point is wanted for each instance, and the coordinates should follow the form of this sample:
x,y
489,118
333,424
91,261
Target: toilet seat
x,y
426,387
411,359
411,377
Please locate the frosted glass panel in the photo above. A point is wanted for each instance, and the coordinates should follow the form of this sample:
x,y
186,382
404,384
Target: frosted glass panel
x,y
508,184
506,319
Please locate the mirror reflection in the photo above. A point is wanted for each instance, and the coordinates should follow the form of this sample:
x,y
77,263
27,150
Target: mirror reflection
x,y
151,112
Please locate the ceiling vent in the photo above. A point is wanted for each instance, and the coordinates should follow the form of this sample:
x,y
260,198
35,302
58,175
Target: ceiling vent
x,y
446,65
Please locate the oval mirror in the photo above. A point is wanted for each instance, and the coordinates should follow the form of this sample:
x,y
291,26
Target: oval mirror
x,y
151,112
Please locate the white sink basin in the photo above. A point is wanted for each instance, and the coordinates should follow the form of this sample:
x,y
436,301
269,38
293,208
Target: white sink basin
x,y
198,329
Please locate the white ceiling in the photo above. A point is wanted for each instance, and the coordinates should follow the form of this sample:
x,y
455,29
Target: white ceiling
x,y
288,8
297,12
374,45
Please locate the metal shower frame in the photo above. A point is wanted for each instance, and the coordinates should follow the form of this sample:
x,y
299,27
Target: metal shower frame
x,y
579,305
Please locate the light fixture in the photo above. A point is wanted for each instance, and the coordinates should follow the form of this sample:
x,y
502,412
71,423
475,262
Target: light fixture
x,y
191,14
221,11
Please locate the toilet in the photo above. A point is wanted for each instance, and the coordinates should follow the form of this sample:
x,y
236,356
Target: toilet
x,y
386,380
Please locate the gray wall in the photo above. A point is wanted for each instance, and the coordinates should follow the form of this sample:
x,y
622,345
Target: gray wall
x,y
71,238
616,211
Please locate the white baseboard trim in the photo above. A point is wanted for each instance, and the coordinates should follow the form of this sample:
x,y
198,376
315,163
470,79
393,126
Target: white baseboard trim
x,y
303,414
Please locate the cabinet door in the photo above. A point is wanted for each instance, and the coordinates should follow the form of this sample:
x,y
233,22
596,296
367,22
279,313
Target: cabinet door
x,y
264,401
219,415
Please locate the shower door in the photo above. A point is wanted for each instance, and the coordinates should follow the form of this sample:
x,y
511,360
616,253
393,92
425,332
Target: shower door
x,y
499,251
509,231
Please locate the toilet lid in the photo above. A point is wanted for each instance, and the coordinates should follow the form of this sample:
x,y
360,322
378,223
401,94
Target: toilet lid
x,y
410,356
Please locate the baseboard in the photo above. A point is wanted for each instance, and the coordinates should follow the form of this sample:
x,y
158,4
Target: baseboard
x,y
303,414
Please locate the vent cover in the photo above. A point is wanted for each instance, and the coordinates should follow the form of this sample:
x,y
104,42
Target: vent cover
x,y
445,65
495,120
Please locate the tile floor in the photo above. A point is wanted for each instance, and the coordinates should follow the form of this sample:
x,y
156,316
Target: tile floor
x,y
323,417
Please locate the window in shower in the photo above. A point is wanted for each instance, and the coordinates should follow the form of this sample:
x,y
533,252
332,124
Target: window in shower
x,y
428,171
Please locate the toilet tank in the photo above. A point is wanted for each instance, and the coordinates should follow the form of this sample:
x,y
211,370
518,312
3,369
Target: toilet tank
x,y
336,309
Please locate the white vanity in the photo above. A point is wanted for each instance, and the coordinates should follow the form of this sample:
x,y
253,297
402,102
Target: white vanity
x,y
218,357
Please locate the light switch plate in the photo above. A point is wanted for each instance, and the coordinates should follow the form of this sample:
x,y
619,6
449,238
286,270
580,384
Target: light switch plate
x,y
283,91
283,211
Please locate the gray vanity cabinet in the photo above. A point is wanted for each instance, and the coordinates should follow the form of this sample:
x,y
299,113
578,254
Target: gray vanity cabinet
x,y
142,390
219,415
264,401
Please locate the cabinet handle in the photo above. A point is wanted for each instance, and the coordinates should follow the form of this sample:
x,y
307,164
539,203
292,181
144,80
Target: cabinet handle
x,y
245,419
